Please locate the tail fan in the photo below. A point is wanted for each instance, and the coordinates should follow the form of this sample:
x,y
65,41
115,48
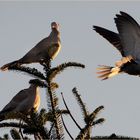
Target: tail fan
x,y
106,72
7,66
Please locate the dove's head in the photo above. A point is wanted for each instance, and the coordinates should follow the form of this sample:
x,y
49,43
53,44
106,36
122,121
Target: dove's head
x,y
55,25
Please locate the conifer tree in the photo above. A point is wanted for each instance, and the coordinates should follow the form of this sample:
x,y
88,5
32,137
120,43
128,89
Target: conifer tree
x,y
49,123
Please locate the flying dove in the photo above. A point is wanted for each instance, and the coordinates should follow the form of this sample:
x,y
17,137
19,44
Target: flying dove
x,y
44,51
24,101
127,42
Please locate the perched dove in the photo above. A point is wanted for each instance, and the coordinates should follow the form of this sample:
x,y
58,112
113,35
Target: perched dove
x,y
44,51
128,44
24,101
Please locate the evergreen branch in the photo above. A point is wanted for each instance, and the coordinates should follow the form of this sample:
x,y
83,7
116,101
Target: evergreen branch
x,y
46,66
88,134
54,86
31,71
70,112
53,100
20,131
35,130
38,83
63,112
90,118
15,134
57,131
14,115
60,125
12,124
96,112
56,70
50,115
66,128
51,129
35,127
99,121
98,109
44,116
80,102
5,137
30,130
44,133
83,133
83,109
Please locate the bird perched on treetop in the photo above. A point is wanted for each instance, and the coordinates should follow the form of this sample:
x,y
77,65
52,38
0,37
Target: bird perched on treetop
x,y
44,51
24,101
127,41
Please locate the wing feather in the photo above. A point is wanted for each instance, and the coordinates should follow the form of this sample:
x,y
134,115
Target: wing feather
x,y
112,37
129,32
16,100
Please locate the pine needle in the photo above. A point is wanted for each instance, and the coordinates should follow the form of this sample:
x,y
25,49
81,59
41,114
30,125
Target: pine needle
x,y
70,112
15,134
80,102
56,70
13,124
31,71
38,82
66,128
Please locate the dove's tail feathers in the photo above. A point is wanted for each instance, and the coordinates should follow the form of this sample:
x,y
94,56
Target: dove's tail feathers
x,y
7,66
106,72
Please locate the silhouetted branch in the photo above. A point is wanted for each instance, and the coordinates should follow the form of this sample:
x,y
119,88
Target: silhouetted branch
x,y
13,124
52,100
99,121
90,121
96,112
35,126
53,106
80,102
15,134
66,128
15,115
56,70
38,82
70,112
51,129
31,71
83,133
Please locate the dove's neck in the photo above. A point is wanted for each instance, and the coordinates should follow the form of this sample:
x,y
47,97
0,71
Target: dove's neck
x,y
55,34
34,90
33,86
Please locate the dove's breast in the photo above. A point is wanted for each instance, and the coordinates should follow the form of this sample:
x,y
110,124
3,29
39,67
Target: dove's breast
x,y
54,50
